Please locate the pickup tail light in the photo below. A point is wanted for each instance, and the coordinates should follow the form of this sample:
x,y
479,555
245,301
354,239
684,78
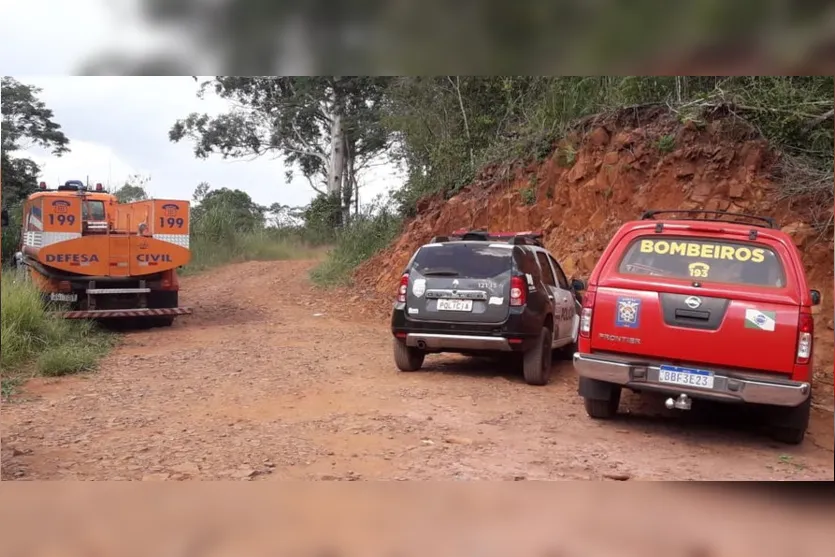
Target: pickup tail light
x,y
586,314
518,292
806,330
403,289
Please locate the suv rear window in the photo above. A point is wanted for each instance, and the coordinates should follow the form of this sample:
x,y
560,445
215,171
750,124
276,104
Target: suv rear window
x,y
464,260
704,260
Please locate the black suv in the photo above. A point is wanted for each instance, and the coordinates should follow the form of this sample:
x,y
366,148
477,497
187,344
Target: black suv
x,y
475,293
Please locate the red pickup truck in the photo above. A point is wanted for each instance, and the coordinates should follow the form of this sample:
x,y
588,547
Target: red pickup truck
x,y
704,306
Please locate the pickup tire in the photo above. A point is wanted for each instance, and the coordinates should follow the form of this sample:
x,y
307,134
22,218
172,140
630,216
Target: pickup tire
x,y
407,358
788,425
536,362
600,398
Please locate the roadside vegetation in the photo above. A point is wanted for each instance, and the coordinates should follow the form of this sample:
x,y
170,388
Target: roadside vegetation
x,y
444,131
36,343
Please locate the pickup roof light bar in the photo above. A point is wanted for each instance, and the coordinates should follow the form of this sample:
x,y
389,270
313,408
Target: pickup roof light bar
x,y
527,237
714,216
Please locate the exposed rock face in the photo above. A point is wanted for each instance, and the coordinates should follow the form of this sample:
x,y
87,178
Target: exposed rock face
x,y
615,175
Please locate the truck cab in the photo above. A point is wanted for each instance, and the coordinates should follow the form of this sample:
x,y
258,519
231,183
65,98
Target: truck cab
x,y
99,258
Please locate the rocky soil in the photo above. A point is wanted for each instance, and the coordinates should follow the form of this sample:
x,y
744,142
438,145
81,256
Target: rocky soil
x,y
274,379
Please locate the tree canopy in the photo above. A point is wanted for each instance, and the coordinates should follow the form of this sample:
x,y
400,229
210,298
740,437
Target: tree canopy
x,y
235,207
27,122
329,128
133,189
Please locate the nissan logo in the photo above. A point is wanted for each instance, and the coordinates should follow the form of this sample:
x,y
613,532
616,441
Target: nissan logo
x,y
693,302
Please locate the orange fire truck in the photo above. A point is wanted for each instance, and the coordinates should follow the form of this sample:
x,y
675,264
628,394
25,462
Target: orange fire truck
x,y
97,258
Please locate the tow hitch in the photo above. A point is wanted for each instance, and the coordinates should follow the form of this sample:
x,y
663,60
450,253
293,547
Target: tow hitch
x,y
683,402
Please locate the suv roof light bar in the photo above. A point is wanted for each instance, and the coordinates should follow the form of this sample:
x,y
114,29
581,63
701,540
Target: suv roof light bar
x,y
693,215
528,237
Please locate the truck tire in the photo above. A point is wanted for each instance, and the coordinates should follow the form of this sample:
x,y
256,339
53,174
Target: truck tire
x,y
407,358
788,425
163,321
536,362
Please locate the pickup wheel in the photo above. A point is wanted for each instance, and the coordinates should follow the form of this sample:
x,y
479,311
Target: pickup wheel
x,y
601,399
536,363
788,425
407,358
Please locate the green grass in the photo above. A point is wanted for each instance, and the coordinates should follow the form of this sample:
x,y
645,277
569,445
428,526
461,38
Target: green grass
x,y
217,238
259,245
360,241
34,342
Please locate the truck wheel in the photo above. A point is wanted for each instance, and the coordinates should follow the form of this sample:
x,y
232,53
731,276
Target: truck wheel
x,y
536,363
163,321
788,425
407,358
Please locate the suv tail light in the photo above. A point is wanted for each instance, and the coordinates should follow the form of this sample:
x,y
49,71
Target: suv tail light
x,y
586,313
806,328
518,292
404,287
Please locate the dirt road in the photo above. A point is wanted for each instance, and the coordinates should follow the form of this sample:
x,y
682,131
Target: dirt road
x,y
272,379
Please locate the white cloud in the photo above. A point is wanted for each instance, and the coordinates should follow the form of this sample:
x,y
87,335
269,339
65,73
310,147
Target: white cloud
x,y
99,162
119,126
56,36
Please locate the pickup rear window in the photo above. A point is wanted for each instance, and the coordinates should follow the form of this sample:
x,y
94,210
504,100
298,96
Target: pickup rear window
x,y
462,260
703,260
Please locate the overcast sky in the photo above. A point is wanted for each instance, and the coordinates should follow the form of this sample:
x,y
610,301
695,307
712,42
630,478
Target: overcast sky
x,y
118,126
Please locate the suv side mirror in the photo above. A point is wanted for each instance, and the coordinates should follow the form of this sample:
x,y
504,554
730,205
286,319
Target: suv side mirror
x,y
578,285
5,218
816,297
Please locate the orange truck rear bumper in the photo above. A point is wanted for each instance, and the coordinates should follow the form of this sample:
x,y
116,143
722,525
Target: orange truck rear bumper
x,y
110,313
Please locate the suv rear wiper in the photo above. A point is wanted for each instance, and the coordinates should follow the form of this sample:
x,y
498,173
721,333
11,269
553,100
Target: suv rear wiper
x,y
440,272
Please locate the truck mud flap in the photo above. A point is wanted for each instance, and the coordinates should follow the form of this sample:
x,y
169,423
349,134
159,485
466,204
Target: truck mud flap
x,y
111,313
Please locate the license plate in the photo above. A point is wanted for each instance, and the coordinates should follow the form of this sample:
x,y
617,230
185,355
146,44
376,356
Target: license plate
x,y
455,305
58,297
686,377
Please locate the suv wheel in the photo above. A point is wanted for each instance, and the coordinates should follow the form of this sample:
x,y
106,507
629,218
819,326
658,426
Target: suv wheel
x,y
407,358
536,364
788,425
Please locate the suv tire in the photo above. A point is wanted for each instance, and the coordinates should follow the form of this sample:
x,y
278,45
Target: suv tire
x,y
536,362
407,358
788,425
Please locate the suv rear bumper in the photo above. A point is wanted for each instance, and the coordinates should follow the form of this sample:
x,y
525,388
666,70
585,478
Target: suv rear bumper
x,y
726,386
442,342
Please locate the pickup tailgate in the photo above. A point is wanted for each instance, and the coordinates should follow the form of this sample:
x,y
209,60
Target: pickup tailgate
x,y
709,329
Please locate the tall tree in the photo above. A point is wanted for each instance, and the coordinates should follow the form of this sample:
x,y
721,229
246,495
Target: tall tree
x,y
329,127
27,122
234,207
133,189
